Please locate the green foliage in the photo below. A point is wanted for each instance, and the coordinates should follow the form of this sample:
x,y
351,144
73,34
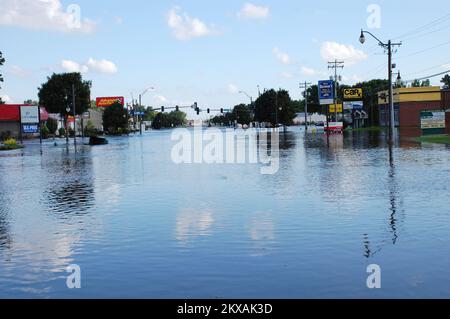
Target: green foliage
x,y
150,114
10,144
62,132
446,81
45,132
90,130
56,93
417,83
2,61
242,114
52,125
115,119
274,107
5,135
169,120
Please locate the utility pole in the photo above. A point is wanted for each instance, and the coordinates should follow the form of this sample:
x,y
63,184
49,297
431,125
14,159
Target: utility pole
x,y
389,47
140,109
335,65
74,117
306,86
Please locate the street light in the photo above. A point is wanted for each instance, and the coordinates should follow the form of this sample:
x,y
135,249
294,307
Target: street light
x,y
140,104
388,46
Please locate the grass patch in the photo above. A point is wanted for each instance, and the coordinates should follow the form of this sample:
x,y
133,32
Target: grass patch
x,y
437,139
367,129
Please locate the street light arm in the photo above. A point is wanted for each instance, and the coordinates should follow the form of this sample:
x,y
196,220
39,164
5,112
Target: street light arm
x,y
146,90
242,92
373,36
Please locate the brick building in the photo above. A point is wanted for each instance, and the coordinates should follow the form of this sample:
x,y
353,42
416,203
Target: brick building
x,y
409,103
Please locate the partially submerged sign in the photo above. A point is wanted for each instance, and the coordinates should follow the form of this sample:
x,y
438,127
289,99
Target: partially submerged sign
x,y
333,108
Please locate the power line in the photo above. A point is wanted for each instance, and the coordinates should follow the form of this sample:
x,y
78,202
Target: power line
x,y
425,27
424,50
428,77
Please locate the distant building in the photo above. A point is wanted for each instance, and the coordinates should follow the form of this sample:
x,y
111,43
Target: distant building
x,y
10,119
312,118
409,103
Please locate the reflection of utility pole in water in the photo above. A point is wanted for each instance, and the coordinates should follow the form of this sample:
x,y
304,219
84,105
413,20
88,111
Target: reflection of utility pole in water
x,y
393,196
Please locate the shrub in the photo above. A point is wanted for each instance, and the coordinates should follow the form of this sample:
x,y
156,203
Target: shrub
x,y
5,135
62,132
45,132
90,130
52,125
71,132
10,142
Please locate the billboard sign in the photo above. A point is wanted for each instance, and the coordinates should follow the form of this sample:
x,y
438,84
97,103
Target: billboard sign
x,y
432,120
326,92
108,101
353,94
29,114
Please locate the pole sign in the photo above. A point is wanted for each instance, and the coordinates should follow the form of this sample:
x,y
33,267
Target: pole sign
x,y
29,114
109,101
30,128
353,94
333,108
432,121
29,119
326,92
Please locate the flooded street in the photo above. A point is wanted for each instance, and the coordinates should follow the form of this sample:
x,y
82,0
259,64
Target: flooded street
x,y
141,226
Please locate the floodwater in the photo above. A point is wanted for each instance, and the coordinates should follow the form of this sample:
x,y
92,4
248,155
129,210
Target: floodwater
x,y
140,226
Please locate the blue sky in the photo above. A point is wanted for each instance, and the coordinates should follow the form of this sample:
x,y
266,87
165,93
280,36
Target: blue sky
x,y
206,51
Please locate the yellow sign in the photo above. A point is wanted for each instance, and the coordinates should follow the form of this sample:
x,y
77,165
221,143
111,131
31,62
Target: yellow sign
x,y
333,109
353,94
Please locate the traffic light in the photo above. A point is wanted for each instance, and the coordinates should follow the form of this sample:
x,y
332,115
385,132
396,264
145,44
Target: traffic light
x,y
198,111
208,111
177,108
195,105
162,109
221,111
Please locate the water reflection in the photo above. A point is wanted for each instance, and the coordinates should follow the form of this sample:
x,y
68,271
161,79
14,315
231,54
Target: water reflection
x,y
192,223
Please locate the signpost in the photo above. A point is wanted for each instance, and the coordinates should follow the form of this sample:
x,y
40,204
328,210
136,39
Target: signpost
x,y
333,108
30,120
326,92
432,122
353,94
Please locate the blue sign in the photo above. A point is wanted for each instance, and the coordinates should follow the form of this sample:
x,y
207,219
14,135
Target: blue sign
x,y
326,92
30,128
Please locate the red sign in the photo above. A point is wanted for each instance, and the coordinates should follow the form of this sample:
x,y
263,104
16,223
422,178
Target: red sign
x,y
108,101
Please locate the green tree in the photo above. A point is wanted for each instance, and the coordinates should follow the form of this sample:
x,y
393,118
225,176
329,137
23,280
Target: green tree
x,y
417,83
242,114
273,107
169,120
115,119
56,93
2,61
150,114
446,81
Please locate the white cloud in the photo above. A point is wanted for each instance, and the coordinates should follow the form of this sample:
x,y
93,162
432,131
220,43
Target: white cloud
x,y
252,11
184,27
5,98
348,53
160,98
118,20
232,89
102,66
44,15
281,56
306,71
71,66
352,79
287,75
446,66
18,71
